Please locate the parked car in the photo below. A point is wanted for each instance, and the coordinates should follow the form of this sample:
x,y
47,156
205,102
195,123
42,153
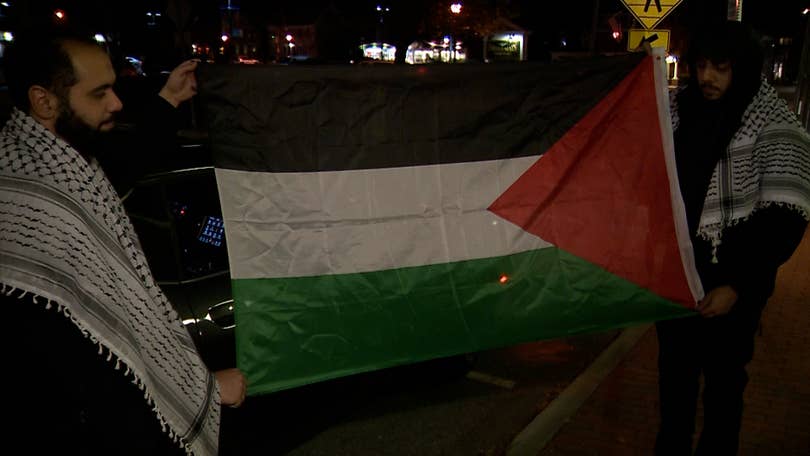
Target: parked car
x,y
179,221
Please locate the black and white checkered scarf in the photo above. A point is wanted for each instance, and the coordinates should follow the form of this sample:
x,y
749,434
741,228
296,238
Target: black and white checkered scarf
x,y
66,241
767,162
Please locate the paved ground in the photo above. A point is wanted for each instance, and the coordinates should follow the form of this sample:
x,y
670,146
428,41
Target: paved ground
x,y
441,407
621,417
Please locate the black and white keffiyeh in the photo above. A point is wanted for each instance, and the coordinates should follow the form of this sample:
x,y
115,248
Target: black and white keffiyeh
x,y
767,162
65,239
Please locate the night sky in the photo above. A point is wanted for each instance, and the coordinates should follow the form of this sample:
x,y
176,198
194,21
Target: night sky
x,y
769,16
549,21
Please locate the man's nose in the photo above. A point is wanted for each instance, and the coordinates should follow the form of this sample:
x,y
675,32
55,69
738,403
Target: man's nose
x,y
711,73
115,103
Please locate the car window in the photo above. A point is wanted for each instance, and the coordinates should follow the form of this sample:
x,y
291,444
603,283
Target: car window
x,y
146,207
179,221
193,203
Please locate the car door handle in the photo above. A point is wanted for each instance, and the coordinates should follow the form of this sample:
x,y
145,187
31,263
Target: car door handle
x,y
222,314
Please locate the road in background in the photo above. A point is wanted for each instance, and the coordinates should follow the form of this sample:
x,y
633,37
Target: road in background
x,y
451,406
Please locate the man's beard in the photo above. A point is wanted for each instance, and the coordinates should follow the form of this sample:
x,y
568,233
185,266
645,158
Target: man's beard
x,y
78,133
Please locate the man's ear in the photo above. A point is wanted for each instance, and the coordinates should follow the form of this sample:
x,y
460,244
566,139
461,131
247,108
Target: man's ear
x,y
44,104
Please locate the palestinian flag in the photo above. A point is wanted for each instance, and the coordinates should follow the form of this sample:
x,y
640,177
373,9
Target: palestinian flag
x,y
382,216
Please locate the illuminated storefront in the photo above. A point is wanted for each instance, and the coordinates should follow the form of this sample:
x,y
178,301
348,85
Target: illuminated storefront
x,y
379,51
444,51
505,47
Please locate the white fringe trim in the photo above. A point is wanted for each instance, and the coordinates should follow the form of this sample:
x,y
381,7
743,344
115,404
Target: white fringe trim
x,y
111,357
713,233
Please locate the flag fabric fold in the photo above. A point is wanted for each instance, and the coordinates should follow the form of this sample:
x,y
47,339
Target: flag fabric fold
x,y
382,216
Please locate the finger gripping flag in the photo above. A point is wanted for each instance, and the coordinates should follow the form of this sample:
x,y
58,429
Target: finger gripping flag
x,y
383,216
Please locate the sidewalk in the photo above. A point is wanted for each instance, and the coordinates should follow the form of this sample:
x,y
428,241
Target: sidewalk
x,y
621,416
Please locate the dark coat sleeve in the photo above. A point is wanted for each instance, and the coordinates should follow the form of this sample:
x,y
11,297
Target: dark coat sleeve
x,y
66,398
753,250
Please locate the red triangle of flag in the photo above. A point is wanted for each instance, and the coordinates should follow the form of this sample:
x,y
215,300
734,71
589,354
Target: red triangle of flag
x,y
601,192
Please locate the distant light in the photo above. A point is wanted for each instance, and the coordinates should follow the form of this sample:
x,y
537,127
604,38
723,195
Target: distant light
x,y
99,38
8,36
564,43
291,45
4,4
616,35
224,38
446,39
379,8
455,8
672,58
59,14
503,279
806,11
288,37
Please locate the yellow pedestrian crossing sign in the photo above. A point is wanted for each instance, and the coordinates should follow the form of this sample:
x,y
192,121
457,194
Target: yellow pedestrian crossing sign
x,y
650,12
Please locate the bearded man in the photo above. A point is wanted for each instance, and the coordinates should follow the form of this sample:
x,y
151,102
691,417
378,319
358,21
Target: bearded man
x,y
744,171
98,361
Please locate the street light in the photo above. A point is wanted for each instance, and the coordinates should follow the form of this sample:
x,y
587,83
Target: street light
x,y
455,8
673,59
60,15
290,44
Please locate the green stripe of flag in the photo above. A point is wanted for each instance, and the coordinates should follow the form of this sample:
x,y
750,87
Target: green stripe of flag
x,y
294,331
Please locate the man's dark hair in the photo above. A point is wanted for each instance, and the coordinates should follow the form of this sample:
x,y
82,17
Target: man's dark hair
x,y
40,58
731,42
723,42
